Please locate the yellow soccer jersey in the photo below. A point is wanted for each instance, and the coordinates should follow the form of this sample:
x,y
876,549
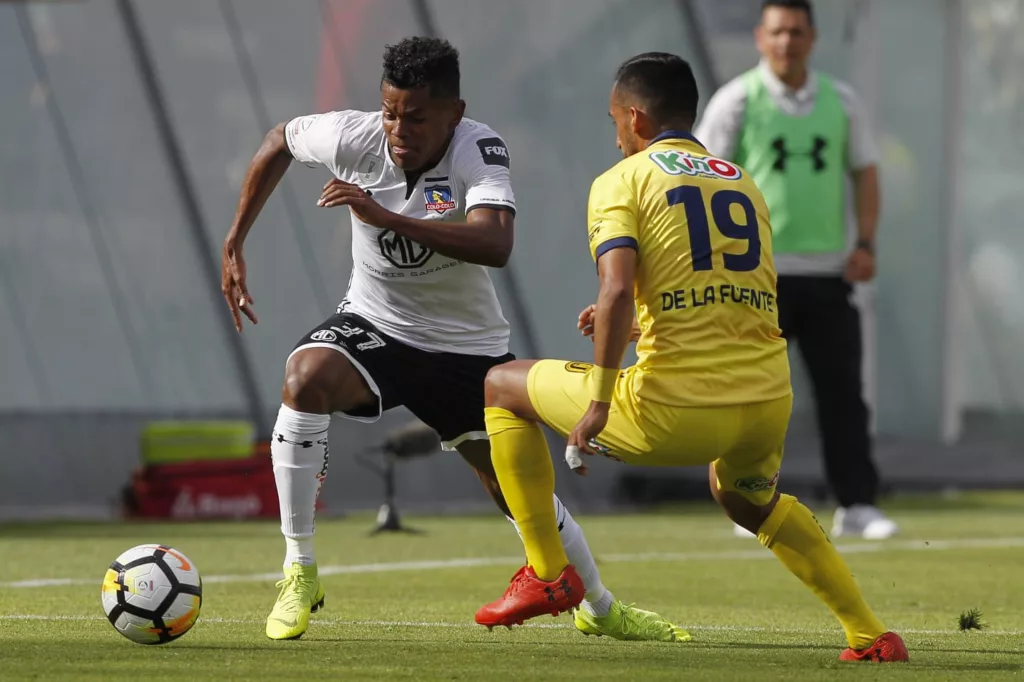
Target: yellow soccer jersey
x,y
706,284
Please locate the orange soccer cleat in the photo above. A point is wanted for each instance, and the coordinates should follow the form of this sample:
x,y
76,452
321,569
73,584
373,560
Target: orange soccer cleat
x,y
528,597
888,648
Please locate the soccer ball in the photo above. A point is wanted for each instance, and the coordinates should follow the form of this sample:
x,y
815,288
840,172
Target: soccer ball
x,y
152,594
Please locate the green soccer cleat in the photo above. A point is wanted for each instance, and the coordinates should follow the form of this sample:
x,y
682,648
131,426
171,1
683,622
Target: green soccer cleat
x,y
627,622
302,593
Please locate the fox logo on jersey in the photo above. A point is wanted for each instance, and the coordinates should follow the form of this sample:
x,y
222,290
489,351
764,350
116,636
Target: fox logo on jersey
x,y
439,198
494,151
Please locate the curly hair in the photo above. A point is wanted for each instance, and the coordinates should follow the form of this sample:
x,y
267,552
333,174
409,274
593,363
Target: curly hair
x,y
417,62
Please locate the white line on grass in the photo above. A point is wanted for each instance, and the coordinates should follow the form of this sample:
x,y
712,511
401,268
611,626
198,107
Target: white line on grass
x,y
545,626
476,562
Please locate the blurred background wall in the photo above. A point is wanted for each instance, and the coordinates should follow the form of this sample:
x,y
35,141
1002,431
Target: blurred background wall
x,y
127,126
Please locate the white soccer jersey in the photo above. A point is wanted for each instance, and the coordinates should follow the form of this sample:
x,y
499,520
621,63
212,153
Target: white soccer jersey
x,y
411,293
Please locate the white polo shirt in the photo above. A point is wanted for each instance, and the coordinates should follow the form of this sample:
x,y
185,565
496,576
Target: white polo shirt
x,y
720,127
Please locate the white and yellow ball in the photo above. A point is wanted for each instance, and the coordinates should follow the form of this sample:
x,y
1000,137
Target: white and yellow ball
x,y
152,594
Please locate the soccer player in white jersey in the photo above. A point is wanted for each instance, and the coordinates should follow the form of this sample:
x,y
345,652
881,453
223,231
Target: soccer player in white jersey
x,y
432,208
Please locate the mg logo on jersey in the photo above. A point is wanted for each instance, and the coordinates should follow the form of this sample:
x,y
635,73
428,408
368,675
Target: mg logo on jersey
x,y
439,198
682,163
403,252
325,335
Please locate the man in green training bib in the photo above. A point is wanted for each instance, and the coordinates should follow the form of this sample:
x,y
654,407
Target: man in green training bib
x,y
804,138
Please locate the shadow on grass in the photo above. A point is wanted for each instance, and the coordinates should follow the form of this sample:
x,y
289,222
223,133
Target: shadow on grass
x,y
970,667
973,652
768,646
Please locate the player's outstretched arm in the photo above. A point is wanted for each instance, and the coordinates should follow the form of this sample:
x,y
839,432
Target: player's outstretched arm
x,y
485,238
265,171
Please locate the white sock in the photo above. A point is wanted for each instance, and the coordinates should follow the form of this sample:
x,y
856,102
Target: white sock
x,y
597,600
300,455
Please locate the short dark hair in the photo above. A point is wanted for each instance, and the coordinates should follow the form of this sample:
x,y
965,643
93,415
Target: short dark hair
x,y
423,62
804,5
665,84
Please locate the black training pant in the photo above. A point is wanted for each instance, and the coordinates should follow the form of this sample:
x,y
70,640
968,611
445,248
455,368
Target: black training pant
x,y
818,314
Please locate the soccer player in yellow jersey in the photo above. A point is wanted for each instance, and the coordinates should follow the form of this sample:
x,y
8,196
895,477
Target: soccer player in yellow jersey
x,y
683,240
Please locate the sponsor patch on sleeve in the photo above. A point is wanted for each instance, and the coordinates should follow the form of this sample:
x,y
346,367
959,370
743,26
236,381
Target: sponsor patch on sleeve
x,y
494,151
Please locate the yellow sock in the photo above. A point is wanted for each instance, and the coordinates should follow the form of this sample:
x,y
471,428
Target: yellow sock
x,y
527,479
793,534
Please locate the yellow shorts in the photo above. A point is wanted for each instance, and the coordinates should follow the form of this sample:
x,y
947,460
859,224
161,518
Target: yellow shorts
x,y
744,442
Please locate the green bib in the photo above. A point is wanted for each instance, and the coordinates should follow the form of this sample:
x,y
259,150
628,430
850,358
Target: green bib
x,y
799,164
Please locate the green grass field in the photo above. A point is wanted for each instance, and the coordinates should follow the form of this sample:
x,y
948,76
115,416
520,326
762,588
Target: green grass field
x,y
401,606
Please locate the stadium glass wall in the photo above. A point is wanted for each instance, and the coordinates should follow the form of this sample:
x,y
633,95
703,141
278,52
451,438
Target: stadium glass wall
x,y
109,317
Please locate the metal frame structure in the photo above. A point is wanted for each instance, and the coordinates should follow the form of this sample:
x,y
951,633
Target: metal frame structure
x,y
291,203
188,198
90,215
951,420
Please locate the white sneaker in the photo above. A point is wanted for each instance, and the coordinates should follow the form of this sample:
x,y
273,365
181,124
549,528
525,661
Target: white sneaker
x,y
863,520
741,532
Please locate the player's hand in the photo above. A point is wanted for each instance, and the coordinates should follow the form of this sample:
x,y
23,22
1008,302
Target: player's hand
x,y
585,324
586,321
232,284
860,266
590,426
339,193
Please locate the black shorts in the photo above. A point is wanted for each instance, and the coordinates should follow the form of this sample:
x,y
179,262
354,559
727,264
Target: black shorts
x,y
444,390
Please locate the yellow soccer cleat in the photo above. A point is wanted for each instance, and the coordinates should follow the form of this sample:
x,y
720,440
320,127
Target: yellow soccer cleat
x,y
302,593
627,622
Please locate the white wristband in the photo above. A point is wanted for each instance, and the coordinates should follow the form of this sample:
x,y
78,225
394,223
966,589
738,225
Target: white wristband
x,y
572,457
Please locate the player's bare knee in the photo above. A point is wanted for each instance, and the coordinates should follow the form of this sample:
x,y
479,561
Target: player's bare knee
x,y
740,510
305,389
505,387
743,512
495,386
321,380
